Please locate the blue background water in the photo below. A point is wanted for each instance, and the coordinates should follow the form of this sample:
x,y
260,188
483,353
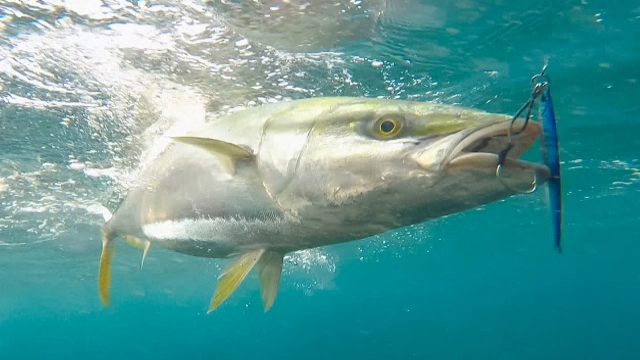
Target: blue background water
x,y
480,284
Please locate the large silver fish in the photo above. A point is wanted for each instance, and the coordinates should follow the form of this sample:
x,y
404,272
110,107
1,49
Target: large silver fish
x,y
269,180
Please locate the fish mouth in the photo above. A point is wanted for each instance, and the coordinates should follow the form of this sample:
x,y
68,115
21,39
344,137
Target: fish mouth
x,y
478,148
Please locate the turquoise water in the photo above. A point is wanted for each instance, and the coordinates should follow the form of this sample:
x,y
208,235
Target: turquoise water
x,y
90,89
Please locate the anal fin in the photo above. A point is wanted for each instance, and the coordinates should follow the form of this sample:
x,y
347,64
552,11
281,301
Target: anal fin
x,y
145,251
233,276
269,270
104,269
140,244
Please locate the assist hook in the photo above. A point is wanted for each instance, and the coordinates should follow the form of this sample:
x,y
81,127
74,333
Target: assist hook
x,y
539,82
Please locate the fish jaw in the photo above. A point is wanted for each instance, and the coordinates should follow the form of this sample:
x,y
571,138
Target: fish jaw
x,y
478,148
465,165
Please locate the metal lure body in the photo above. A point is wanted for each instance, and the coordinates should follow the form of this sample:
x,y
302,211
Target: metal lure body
x,y
551,158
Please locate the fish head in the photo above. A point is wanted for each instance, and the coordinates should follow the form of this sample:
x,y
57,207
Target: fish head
x,y
395,162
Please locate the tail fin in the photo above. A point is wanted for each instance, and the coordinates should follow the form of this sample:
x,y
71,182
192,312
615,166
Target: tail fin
x,y
104,270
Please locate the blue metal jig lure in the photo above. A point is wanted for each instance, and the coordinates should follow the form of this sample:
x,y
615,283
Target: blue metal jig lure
x,y
548,147
551,158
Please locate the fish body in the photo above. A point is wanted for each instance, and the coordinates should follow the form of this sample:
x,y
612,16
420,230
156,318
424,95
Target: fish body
x,y
551,158
266,181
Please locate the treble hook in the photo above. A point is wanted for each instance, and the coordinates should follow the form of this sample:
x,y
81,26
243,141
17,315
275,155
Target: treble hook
x,y
536,91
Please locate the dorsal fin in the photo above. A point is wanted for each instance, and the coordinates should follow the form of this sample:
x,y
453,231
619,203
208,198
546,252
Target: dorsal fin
x,y
228,153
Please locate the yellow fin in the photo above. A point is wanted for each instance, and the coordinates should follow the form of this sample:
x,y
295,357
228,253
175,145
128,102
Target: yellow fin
x,y
226,152
233,276
269,270
147,245
104,269
140,244
134,241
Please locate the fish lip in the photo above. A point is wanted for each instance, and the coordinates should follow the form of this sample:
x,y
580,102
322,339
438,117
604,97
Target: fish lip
x,y
489,161
495,134
461,156
484,141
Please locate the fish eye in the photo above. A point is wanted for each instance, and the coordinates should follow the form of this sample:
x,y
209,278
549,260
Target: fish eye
x,y
387,126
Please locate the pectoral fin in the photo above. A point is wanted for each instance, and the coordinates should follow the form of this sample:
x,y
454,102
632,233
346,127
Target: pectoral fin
x,y
269,270
233,276
104,269
227,152
217,146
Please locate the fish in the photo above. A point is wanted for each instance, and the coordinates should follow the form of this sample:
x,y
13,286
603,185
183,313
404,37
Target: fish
x,y
270,180
551,158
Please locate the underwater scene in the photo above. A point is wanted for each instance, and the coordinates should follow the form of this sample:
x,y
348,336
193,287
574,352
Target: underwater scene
x,y
311,179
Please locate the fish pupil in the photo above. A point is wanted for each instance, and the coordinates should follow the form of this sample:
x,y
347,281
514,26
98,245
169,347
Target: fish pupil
x,y
387,126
